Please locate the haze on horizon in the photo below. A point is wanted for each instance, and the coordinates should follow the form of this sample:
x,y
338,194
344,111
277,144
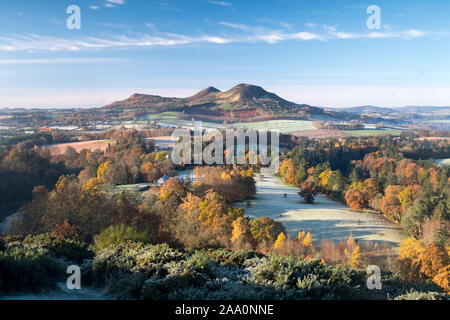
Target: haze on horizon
x,y
319,53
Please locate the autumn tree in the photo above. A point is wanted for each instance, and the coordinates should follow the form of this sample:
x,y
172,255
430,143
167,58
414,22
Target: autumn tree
x,y
265,229
241,234
308,191
280,242
390,205
150,171
356,200
287,171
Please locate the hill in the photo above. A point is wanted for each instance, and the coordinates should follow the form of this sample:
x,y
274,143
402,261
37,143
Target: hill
x,y
427,110
242,102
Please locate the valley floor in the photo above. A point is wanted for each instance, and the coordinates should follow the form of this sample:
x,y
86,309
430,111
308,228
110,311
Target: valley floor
x,y
325,219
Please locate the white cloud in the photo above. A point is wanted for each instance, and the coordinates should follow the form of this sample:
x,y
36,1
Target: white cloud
x,y
61,61
247,34
117,1
237,26
94,7
221,3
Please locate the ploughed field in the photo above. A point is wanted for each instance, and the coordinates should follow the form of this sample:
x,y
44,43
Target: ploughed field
x,y
92,145
325,219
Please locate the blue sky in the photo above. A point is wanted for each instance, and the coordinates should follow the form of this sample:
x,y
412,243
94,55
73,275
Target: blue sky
x,y
316,52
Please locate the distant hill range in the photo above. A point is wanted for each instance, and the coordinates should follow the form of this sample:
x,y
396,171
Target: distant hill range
x,y
425,110
244,102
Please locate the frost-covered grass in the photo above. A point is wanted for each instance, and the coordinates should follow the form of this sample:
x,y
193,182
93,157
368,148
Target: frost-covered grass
x,y
284,126
444,162
325,219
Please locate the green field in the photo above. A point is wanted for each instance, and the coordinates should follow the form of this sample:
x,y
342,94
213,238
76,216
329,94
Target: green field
x,y
170,115
284,126
370,132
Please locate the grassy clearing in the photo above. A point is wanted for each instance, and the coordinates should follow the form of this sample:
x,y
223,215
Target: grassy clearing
x,y
325,219
444,162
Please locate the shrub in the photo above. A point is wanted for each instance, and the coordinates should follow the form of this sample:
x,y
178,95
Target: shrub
x,y
442,278
200,262
26,268
118,234
70,250
236,258
415,295
160,288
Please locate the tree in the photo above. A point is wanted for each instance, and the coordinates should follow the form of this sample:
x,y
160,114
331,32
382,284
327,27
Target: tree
x,y
150,171
442,278
371,187
172,188
409,258
265,229
356,200
281,240
433,259
66,231
408,195
308,192
241,234
307,242
390,205
355,259
301,175
287,171
354,177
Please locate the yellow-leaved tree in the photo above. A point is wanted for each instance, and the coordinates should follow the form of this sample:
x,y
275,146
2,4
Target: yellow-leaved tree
x,y
241,231
301,235
307,242
355,259
281,240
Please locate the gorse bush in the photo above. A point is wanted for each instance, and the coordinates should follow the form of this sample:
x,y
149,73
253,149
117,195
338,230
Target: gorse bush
x,y
69,250
28,268
36,263
160,272
118,234
135,270
415,295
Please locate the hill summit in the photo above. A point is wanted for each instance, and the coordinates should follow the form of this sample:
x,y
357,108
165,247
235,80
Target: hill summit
x,y
242,102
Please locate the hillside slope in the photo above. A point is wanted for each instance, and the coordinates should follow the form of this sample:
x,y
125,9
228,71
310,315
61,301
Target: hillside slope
x,y
242,102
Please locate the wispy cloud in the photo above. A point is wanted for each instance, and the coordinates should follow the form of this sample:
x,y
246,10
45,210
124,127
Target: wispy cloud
x,y
246,34
116,1
61,61
221,3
